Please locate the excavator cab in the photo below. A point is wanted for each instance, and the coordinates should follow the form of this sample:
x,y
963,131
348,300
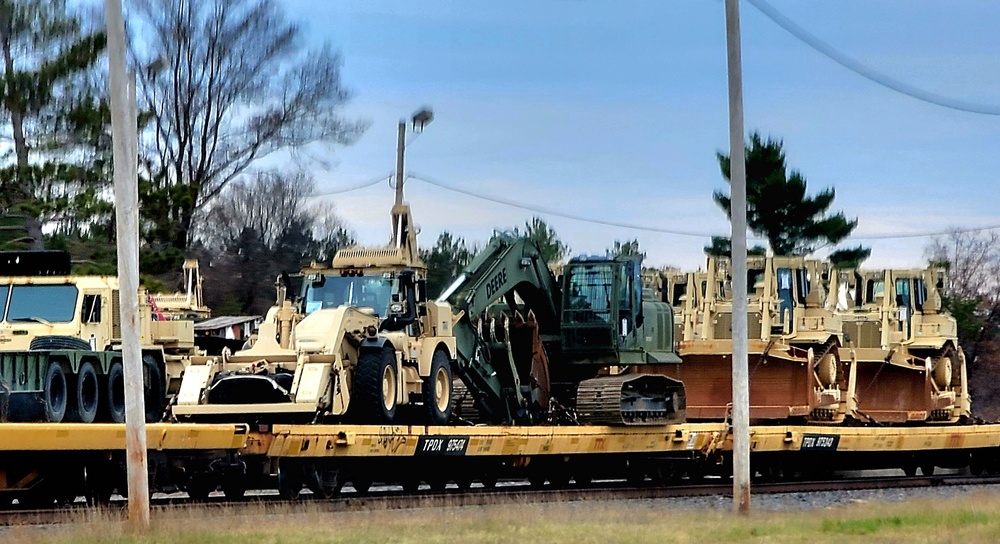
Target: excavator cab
x,y
602,306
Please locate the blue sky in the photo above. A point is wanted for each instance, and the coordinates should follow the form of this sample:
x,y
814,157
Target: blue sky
x,y
614,110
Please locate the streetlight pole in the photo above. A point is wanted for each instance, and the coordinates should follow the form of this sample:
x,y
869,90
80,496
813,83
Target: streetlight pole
x,y
400,151
420,119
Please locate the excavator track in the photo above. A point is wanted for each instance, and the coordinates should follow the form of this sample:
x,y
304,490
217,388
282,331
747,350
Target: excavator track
x,y
630,399
464,404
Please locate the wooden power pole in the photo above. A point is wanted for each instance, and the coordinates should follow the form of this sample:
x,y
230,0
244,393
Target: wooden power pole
x,y
738,207
125,145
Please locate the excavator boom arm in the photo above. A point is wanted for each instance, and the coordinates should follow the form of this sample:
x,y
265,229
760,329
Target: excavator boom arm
x,y
505,267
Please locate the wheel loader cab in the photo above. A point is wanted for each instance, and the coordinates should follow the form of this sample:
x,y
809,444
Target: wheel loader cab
x,y
329,291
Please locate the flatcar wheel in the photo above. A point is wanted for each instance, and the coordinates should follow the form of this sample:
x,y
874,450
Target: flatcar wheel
x,y
198,488
489,479
437,482
410,484
290,480
910,470
361,483
927,470
234,485
324,482
36,499
463,481
634,474
977,465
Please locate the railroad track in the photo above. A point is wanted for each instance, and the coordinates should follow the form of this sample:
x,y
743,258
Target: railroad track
x,y
507,493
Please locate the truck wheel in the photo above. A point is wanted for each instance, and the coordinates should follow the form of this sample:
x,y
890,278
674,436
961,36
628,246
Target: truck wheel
x,y
86,392
153,389
113,394
54,393
437,390
375,386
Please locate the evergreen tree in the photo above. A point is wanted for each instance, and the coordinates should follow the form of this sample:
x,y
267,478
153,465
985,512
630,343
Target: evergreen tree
x,y
778,208
552,248
445,261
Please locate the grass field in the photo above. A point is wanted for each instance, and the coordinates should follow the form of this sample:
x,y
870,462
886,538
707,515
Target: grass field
x,y
965,519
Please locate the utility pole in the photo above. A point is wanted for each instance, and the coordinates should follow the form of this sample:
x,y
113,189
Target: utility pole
x,y
400,151
738,183
124,142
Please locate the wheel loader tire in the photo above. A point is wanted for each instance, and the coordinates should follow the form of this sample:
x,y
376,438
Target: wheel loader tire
x,y
85,394
54,393
437,390
374,395
56,343
113,394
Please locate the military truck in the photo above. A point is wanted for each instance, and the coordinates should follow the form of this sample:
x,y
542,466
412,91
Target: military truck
x,y
60,344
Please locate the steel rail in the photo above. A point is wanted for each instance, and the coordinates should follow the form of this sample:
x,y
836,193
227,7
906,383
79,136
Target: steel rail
x,y
513,492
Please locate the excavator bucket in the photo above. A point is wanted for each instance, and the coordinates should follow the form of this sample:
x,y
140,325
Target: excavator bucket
x,y
630,399
524,336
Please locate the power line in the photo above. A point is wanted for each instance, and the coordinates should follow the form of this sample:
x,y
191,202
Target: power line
x,y
866,71
959,230
557,213
356,187
661,230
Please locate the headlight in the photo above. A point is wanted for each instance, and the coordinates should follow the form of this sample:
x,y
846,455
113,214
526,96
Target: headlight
x,y
396,308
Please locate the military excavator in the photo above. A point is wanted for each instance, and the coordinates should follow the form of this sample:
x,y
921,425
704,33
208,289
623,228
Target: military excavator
x,y
534,349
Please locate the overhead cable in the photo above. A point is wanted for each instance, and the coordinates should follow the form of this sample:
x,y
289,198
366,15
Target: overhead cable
x,y
661,230
550,211
356,187
866,71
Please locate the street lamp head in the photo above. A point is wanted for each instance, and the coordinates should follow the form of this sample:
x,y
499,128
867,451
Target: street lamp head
x,y
422,118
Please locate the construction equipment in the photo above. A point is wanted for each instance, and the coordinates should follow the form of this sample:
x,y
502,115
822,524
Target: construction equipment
x,y
794,342
360,341
561,350
909,365
60,338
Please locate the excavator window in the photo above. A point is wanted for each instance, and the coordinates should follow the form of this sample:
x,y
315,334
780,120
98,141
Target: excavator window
x,y
590,294
4,291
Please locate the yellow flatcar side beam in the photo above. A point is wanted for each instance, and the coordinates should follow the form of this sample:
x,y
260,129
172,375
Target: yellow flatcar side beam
x,y
872,439
409,441
111,436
